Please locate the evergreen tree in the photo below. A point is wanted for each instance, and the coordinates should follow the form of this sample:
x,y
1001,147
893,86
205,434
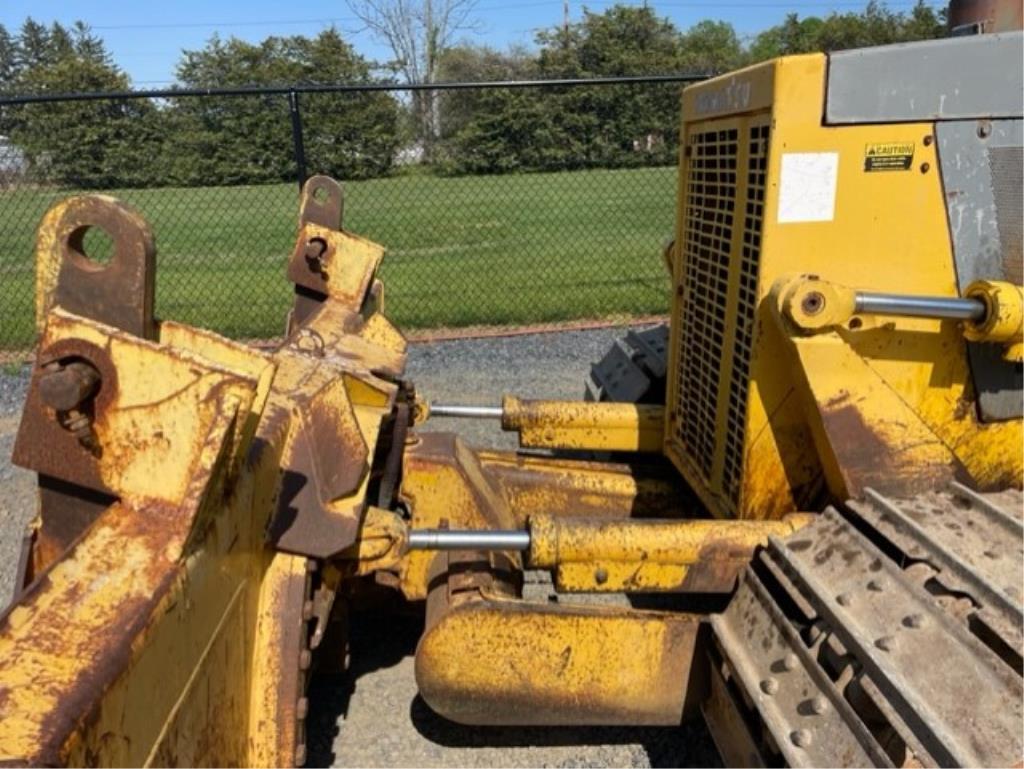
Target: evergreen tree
x,y
84,144
235,140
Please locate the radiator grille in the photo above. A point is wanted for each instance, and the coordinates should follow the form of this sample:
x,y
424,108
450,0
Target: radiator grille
x,y
746,307
707,242
718,295
1005,164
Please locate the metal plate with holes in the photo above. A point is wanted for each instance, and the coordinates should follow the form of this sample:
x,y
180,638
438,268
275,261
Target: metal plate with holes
x,y
725,168
806,714
887,620
119,293
976,547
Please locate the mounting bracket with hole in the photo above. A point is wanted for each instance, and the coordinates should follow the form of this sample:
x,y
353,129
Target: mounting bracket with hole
x,y
95,257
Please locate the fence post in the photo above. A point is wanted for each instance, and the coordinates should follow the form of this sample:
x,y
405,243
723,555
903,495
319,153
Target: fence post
x,y
300,148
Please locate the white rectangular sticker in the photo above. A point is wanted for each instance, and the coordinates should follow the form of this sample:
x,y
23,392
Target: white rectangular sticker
x,y
807,190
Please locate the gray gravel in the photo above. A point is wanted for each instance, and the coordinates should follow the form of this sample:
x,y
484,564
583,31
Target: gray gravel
x,y
371,715
13,385
17,487
478,372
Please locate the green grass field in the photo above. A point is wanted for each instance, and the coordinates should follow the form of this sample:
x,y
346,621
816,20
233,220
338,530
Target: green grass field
x,y
461,251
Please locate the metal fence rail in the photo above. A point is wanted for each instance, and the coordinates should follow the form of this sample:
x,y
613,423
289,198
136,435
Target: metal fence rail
x,y
498,221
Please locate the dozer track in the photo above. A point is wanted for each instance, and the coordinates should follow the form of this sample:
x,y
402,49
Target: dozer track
x,y
633,370
885,634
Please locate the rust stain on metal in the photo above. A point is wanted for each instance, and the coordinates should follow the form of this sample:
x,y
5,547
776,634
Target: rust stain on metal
x,y
718,565
107,637
119,293
323,202
869,460
66,511
43,443
325,459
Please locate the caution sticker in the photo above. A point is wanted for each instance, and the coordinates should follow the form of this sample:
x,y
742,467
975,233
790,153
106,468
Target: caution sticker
x,y
889,156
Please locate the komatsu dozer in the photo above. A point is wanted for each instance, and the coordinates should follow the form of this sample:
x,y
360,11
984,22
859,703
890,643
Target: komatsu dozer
x,y
808,487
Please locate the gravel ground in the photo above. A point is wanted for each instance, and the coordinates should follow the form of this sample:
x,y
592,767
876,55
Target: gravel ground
x,y
371,715
17,487
478,372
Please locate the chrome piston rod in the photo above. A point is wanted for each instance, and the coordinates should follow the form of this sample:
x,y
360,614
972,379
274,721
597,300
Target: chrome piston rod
x,y
957,308
466,539
466,412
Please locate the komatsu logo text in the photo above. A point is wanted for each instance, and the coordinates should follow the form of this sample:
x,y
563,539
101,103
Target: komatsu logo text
x,y
732,97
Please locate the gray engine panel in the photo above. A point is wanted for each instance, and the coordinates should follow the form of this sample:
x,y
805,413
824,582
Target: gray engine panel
x,y
982,179
952,79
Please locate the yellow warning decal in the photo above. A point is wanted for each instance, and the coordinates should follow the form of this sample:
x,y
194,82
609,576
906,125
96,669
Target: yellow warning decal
x,y
888,156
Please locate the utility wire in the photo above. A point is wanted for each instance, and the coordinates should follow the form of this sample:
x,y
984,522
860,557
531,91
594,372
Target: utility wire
x,y
513,6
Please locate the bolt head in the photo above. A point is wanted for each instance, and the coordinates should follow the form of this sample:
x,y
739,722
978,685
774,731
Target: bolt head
x,y
600,575
886,643
801,738
819,705
812,303
66,387
790,661
314,252
769,685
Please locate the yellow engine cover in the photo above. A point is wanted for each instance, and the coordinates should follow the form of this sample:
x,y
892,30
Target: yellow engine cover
x,y
767,189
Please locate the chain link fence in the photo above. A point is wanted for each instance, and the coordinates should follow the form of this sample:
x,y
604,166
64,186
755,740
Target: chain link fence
x,y
530,204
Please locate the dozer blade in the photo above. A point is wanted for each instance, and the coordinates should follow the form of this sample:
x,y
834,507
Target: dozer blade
x,y
192,490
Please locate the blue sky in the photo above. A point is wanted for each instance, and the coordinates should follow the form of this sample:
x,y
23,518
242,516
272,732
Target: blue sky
x,y
146,38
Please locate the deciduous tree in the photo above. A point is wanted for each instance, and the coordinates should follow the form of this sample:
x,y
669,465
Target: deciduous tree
x,y
418,32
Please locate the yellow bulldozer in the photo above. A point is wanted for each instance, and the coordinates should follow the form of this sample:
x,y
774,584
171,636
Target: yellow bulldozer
x,y
824,447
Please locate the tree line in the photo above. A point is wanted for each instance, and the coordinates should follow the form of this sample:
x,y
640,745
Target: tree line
x,y
190,141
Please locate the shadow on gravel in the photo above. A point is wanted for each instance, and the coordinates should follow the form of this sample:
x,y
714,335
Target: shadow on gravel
x,y
665,747
382,640
376,641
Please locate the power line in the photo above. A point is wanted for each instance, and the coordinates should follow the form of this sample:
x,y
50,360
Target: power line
x,y
202,24
513,6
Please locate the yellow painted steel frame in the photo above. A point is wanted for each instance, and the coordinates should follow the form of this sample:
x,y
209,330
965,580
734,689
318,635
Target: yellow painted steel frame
x,y
886,232
171,632
866,435
444,481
